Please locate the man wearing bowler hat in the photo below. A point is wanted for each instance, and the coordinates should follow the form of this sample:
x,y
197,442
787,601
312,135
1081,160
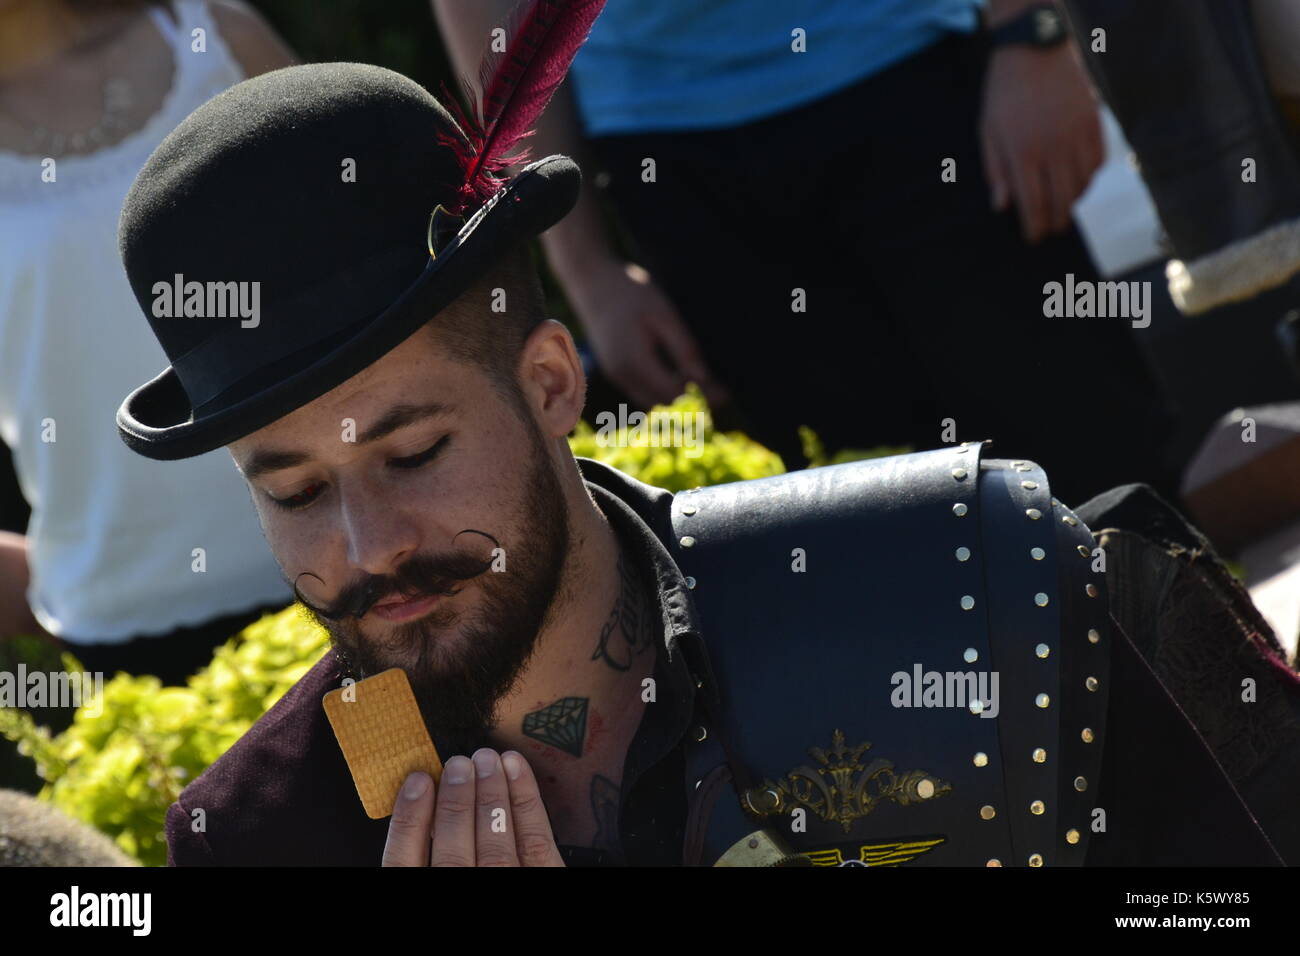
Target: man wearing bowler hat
x,y
633,677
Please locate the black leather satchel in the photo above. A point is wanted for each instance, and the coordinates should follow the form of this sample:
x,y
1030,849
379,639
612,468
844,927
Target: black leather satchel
x,y
912,658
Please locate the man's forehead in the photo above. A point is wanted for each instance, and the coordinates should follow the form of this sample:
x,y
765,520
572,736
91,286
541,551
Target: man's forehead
x,y
412,383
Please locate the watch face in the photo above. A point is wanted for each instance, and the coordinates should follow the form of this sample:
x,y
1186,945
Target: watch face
x,y
1048,27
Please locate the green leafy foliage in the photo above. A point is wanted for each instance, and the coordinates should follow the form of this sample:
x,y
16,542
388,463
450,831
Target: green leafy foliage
x,y
119,771
716,458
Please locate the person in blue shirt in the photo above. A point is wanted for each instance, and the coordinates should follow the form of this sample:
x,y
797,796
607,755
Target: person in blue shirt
x,y
843,213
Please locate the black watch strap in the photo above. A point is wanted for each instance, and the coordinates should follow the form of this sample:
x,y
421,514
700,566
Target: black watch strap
x,y
1041,25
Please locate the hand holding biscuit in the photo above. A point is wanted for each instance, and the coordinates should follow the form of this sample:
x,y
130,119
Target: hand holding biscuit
x,y
485,812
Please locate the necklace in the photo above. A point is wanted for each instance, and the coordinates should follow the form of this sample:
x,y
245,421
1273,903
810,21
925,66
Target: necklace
x,y
117,101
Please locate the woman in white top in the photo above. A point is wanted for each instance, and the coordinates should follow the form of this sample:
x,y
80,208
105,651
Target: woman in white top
x,y
119,550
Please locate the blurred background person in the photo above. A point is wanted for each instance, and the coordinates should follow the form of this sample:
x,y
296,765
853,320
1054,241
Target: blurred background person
x,y
1211,106
132,565
804,147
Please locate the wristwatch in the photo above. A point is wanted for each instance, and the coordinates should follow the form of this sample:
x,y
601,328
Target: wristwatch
x,y
1040,26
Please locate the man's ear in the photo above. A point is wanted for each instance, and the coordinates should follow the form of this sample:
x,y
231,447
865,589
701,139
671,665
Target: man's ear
x,y
552,379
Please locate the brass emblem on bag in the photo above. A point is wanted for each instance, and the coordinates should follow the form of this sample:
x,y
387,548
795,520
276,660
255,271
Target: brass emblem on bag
x,y
843,789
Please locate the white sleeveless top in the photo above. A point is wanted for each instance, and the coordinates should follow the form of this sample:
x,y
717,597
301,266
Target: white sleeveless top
x,y
112,535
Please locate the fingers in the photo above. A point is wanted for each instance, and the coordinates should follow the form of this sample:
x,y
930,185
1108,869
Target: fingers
x,y
488,812
1092,148
1032,198
682,348
631,361
1062,188
641,342
495,837
995,170
1018,179
1043,180
408,830
1084,169
647,379
1088,158
635,363
454,817
534,841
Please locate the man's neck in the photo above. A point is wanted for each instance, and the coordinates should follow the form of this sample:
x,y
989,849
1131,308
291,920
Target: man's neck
x,y
580,702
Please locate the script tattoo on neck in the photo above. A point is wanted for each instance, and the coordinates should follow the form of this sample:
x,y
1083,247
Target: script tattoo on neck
x,y
627,631
605,795
562,725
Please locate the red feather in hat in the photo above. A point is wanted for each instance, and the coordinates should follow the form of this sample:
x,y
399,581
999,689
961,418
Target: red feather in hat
x,y
543,38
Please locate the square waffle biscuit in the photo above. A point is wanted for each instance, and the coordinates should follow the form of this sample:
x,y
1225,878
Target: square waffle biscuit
x,y
383,737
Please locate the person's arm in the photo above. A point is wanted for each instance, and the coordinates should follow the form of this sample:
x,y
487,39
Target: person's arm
x,y
255,45
626,316
16,616
578,244
1040,129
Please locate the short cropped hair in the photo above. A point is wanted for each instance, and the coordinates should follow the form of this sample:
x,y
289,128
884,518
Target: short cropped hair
x,y
470,331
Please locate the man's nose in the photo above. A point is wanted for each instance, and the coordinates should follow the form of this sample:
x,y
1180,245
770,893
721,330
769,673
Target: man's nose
x,y
380,534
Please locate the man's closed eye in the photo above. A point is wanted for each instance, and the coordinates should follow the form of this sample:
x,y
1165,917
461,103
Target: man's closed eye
x,y
313,491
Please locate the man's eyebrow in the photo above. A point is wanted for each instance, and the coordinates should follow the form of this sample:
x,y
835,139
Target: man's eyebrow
x,y
267,460
262,462
399,416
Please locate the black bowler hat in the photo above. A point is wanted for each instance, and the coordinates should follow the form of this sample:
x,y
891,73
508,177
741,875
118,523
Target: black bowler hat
x,y
318,183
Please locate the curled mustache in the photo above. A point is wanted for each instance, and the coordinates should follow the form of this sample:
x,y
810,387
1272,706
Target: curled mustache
x,y
423,575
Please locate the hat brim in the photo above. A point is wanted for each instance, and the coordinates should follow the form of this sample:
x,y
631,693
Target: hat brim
x,y
157,419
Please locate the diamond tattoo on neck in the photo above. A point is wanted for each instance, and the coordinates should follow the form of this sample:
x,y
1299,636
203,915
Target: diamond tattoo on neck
x,y
562,725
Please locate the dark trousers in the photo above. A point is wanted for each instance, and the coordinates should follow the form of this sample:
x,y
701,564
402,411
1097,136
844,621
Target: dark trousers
x,y
922,303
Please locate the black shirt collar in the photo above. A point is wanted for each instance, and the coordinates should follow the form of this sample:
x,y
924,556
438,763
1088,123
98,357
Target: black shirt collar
x,y
644,513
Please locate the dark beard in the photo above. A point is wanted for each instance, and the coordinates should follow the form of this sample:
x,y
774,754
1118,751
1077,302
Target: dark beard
x,y
459,687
